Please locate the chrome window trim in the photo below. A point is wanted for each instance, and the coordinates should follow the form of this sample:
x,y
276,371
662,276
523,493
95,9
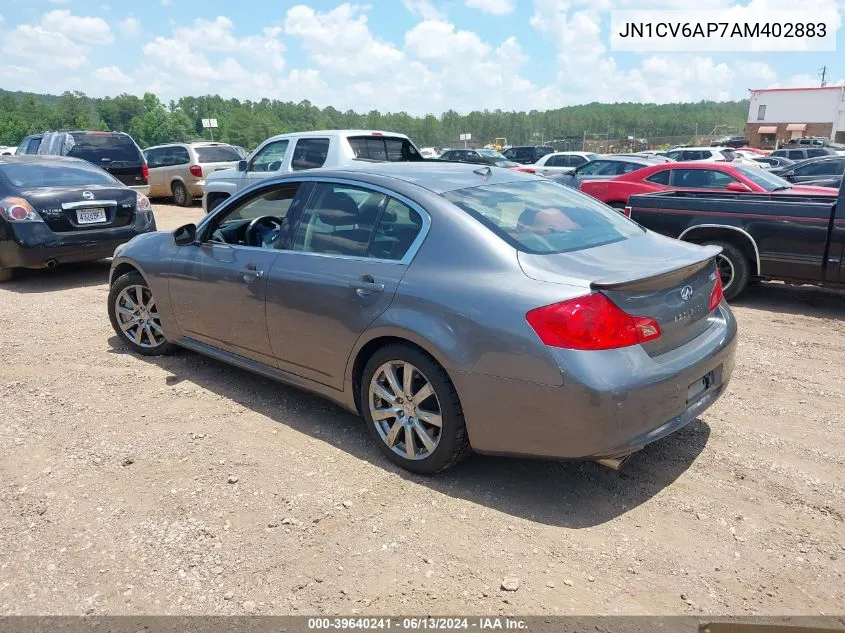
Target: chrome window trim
x,y
405,261
89,204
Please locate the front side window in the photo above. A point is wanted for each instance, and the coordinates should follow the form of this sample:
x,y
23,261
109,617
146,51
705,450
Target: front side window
x,y
269,157
310,153
543,217
269,208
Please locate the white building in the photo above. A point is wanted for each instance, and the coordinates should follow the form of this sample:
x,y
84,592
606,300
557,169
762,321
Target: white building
x,y
778,114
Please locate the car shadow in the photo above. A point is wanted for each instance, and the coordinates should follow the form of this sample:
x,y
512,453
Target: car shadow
x,y
552,492
811,301
62,277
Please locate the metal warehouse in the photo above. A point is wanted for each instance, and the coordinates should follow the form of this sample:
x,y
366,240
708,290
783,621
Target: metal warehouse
x,y
777,115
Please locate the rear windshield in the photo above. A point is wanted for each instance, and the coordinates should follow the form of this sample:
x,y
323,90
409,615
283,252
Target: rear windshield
x,y
102,149
49,174
491,153
388,148
543,217
217,154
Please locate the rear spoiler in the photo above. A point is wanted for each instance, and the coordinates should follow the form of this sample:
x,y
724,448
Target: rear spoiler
x,y
670,275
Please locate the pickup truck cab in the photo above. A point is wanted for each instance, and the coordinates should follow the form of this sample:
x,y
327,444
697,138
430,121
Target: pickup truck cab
x,y
799,239
306,150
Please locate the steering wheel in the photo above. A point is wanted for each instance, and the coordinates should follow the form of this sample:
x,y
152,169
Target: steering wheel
x,y
264,232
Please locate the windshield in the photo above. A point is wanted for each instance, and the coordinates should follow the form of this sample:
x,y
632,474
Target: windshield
x,y
217,154
58,174
765,179
543,217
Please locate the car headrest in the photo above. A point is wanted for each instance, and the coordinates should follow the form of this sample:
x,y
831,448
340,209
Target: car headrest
x,y
338,209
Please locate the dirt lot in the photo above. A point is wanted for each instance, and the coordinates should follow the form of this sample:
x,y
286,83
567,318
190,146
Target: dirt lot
x,y
183,486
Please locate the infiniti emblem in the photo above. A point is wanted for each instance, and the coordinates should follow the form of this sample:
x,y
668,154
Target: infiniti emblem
x,y
686,293
87,195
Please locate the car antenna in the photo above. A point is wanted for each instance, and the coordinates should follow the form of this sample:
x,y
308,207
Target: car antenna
x,y
483,171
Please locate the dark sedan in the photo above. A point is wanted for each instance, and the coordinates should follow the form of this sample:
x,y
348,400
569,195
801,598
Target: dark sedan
x,y
55,210
454,307
813,170
605,168
478,156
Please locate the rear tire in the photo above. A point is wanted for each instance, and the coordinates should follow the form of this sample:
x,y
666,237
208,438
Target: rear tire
x,y
181,197
443,446
6,274
734,269
139,329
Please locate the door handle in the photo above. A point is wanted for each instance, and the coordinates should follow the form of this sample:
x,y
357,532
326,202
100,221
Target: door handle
x,y
250,272
366,285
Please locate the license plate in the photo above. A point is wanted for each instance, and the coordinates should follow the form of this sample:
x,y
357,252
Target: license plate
x,y
700,386
91,216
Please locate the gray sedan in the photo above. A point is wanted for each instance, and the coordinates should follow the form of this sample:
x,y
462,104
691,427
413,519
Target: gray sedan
x,y
455,307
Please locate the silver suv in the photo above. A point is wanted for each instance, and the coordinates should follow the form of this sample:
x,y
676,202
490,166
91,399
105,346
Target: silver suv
x,y
179,170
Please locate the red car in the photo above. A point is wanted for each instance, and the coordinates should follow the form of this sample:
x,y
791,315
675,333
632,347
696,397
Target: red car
x,y
696,176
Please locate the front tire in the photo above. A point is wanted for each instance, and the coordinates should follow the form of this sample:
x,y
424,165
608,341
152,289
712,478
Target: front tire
x,y
134,316
181,197
734,269
412,410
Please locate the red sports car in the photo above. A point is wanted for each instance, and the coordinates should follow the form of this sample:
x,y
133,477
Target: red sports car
x,y
694,176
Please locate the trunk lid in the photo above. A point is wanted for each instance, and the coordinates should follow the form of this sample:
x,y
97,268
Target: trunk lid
x,y
648,276
210,168
75,208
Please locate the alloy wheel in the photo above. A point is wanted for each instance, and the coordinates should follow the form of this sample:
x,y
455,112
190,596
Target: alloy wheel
x,y
726,271
138,317
405,410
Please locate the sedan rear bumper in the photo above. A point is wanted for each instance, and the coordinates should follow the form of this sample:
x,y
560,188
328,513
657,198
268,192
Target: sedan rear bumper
x,y
612,405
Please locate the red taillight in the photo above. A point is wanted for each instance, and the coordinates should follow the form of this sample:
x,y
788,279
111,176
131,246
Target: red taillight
x,y
591,322
145,172
527,170
627,212
195,170
717,294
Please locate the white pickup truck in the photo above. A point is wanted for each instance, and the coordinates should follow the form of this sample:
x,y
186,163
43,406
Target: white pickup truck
x,y
306,150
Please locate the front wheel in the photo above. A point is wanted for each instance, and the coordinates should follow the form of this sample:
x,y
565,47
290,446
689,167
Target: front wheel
x,y
412,410
134,316
181,196
734,269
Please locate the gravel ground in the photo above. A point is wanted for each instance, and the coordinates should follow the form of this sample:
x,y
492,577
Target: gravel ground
x,y
180,485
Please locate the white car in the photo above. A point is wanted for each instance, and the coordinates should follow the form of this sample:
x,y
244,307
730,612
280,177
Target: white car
x,y
306,150
429,152
562,162
7,151
710,155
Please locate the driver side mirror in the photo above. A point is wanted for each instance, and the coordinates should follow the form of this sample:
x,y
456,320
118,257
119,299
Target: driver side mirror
x,y
241,165
738,187
185,235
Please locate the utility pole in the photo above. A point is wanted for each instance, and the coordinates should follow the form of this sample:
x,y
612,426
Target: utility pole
x,y
823,74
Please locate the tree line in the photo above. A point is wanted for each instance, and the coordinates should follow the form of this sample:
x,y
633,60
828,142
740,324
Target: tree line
x,y
247,123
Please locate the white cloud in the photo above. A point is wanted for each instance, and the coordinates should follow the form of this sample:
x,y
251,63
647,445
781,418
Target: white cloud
x,y
112,74
42,48
340,39
424,9
84,29
495,7
130,27
438,40
217,35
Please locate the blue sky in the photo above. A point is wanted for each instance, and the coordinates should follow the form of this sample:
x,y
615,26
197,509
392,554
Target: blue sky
x,y
415,55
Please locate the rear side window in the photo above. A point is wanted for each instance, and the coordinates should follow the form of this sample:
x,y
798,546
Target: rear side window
x,y
795,154
813,153
388,148
310,153
217,154
102,149
660,178
180,156
55,174
543,217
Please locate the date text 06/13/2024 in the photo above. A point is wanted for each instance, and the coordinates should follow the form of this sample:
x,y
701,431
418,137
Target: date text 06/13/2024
x,y
418,623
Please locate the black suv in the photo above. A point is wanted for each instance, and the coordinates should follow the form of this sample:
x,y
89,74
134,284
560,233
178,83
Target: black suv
x,y
116,152
730,141
527,154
